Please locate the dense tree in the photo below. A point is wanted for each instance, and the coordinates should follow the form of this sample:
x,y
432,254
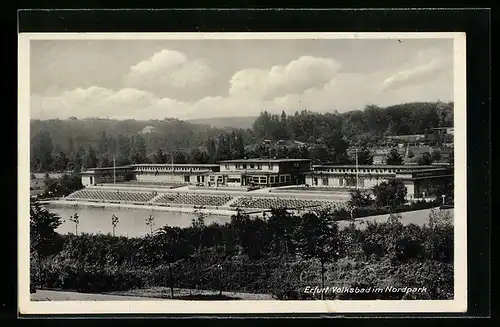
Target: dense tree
x,y
394,158
44,240
78,159
61,161
198,156
365,157
451,157
425,159
327,136
63,186
180,158
391,193
212,150
436,156
283,228
159,157
170,247
41,149
238,145
359,198
89,159
319,239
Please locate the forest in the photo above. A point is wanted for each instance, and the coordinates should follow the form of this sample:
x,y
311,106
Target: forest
x,y
73,144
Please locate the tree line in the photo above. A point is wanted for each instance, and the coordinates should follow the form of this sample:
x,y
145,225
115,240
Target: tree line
x,y
74,144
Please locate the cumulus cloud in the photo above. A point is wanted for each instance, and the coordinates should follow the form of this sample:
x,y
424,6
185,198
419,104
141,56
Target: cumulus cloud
x,y
298,76
170,73
306,83
93,101
425,66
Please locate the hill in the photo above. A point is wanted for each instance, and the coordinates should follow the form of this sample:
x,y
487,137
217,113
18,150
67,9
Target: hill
x,y
224,122
60,145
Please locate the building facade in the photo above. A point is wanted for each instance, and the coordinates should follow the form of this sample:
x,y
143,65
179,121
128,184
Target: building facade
x,y
150,173
173,174
107,175
419,180
260,172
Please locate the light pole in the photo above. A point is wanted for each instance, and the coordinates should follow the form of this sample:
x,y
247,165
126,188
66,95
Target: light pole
x,y
150,221
353,226
357,175
76,219
114,222
219,268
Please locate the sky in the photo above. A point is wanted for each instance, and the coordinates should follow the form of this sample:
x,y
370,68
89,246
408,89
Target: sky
x,y
187,79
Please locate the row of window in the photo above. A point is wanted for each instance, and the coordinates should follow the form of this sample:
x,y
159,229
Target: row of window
x,y
342,182
255,179
169,168
362,170
249,166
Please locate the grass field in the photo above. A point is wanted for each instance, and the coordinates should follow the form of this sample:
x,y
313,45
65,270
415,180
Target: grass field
x,y
417,217
147,294
46,295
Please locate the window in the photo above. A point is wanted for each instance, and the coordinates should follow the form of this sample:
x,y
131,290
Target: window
x,y
282,179
259,166
252,166
186,178
226,166
325,180
341,181
263,180
244,166
288,178
270,166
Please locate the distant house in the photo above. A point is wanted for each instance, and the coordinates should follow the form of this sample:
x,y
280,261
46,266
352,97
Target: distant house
x,y
406,138
148,130
444,130
379,159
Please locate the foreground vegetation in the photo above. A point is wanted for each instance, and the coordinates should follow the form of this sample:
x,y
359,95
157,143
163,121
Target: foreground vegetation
x,y
278,255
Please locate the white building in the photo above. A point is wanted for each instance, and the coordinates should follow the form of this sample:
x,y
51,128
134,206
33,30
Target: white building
x,y
417,179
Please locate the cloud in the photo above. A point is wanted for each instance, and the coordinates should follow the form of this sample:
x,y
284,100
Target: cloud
x,y
425,66
306,83
93,102
298,76
170,73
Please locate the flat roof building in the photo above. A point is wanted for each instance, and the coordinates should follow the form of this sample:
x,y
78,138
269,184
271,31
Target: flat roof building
x,y
261,172
417,179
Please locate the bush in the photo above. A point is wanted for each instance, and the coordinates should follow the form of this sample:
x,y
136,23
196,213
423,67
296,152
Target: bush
x,y
382,254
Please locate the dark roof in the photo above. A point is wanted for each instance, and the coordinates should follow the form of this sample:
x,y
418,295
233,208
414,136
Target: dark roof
x,y
175,165
109,168
376,166
263,160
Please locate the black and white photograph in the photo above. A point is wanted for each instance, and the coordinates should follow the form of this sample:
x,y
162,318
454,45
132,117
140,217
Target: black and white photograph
x,y
242,172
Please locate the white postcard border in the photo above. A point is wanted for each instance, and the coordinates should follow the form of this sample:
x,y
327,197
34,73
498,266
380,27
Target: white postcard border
x,y
458,304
